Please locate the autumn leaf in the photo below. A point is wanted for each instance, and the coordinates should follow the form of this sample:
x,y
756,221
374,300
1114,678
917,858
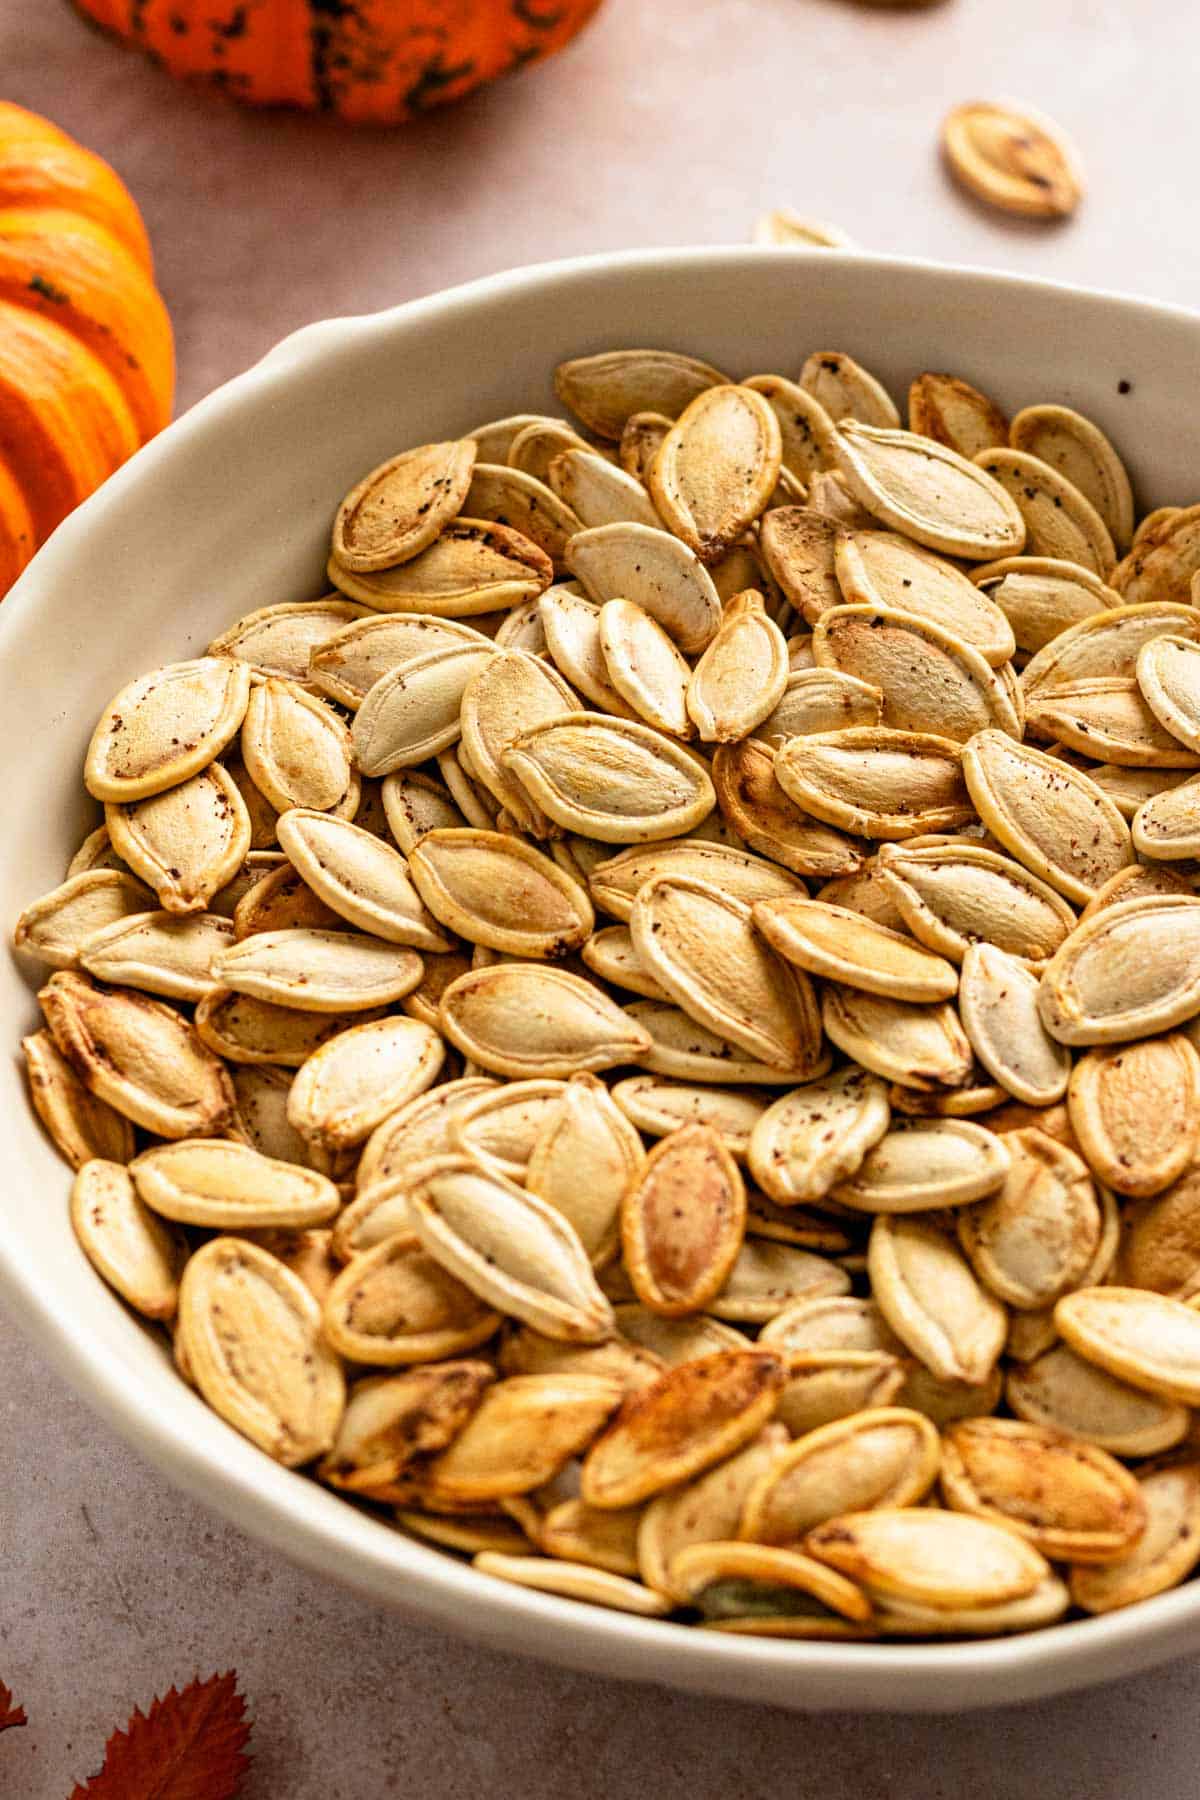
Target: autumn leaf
x,y
10,1715
188,1747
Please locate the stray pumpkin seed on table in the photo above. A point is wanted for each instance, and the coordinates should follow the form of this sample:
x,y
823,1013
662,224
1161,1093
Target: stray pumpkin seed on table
x,y
695,1038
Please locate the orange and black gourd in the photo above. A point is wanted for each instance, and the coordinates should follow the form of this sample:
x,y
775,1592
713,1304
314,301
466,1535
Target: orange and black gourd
x,y
379,61
87,366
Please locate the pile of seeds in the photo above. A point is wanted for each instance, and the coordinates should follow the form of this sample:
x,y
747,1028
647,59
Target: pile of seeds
x,y
652,1031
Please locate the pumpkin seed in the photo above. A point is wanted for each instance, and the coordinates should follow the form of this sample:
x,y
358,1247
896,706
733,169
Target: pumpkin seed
x,y
675,1341
95,852
1168,675
583,1158
1159,1248
700,944
520,1019
830,497
250,1331
683,1218
359,1078
769,821
1106,644
359,878
706,1510
1130,789
297,750
1162,567
697,1414
1081,453
945,1401
755,1586
499,1129
1061,1391
660,1107
653,570
885,571
717,468
1041,596
1050,816
686,1050
398,509
918,1046
799,545
574,1581
571,625
416,803
806,430
612,779
527,1352
641,439
391,1421
139,1056
935,1558
509,695
885,1456
605,390
836,1325
846,390
596,492
534,447
928,492
610,954
319,971
920,1165
951,411
499,891
347,665
1136,1112
1070,1499
1038,1236
998,1004
510,1247
784,227
929,1296
475,566
1164,826
579,1534
1107,717
876,782
817,1135
471,1535
244,1029
279,640
123,1240
931,681
56,927
819,700
228,1186
1148,1340
826,1385
412,712
616,881
186,843
494,440
953,895
82,1127
768,1276
166,726
261,1119
159,952
840,945
1012,160
646,671
1164,1555
419,1129
523,504
742,675
1154,943
901,1618
519,1437
394,1304
1060,522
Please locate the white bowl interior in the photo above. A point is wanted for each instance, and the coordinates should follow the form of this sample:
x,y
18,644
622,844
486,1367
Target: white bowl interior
x,y
230,510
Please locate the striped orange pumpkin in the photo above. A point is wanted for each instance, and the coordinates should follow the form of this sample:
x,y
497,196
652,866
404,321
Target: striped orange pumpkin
x,y
380,61
86,352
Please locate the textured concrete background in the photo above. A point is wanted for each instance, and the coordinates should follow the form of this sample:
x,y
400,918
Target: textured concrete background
x,y
672,121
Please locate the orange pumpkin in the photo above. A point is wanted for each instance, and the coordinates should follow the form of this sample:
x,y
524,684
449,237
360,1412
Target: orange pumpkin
x,y
86,355
368,60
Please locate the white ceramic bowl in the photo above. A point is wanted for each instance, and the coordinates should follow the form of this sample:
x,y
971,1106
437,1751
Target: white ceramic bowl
x,y
230,510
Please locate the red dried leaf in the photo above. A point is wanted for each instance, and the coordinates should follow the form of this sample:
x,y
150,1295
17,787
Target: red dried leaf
x,y
10,1715
188,1747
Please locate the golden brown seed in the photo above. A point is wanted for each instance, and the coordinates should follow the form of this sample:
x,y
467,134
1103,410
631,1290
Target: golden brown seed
x,y
951,411
717,468
770,822
929,1296
81,1126
938,1559
1135,1110
1037,1237
1149,1340
683,1218
1071,1500
1012,160
393,1305
840,945
883,1456
133,1250
1164,1555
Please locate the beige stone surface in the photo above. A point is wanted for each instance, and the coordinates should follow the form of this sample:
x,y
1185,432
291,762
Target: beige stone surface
x,y
671,121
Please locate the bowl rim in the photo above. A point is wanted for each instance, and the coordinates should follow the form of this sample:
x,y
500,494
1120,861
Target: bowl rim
x,y
350,1547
